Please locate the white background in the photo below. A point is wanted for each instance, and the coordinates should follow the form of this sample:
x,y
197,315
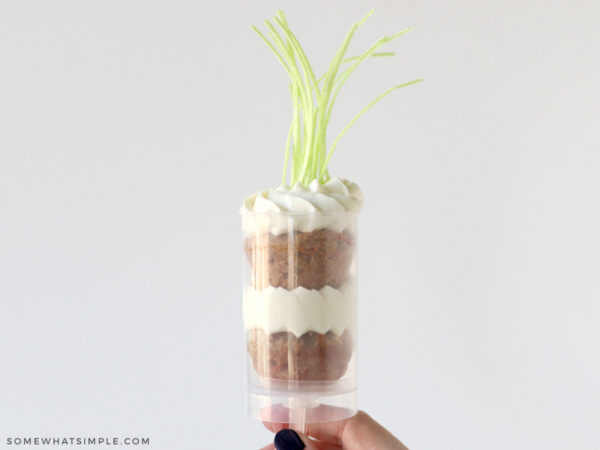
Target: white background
x,y
130,131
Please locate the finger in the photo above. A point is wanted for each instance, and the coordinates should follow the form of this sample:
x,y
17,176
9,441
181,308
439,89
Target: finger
x,y
275,413
274,427
321,445
320,421
288,439
361,431
357,432
324,445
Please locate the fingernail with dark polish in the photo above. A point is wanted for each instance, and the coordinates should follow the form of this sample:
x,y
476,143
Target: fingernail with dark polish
x,y
288,440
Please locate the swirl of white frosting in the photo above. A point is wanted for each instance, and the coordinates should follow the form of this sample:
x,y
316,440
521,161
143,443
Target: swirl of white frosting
x,y
300,310
303,208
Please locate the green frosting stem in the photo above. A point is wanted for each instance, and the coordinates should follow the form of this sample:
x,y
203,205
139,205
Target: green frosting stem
x,y
313,99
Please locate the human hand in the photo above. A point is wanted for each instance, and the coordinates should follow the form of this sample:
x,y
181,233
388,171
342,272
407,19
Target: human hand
x,y
359,432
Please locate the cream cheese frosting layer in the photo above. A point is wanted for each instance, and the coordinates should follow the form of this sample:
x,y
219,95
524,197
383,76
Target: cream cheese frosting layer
x,y
300,310
303,208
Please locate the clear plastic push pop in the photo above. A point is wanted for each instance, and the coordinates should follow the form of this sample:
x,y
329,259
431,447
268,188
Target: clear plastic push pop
x,y
300,252
300,315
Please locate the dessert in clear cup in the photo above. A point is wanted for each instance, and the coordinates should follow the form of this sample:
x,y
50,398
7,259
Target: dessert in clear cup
x,y
300,304
299,244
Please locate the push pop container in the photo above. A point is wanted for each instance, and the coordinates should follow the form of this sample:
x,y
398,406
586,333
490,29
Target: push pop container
x,y
299,308
300,251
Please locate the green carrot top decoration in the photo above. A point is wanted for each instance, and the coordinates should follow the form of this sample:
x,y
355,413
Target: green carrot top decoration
x,y
313,98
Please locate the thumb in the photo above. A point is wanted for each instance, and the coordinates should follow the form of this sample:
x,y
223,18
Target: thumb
x,y
289,439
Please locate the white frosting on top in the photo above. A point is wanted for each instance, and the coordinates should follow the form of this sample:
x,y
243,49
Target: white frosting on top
x,y
303,208
300,310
